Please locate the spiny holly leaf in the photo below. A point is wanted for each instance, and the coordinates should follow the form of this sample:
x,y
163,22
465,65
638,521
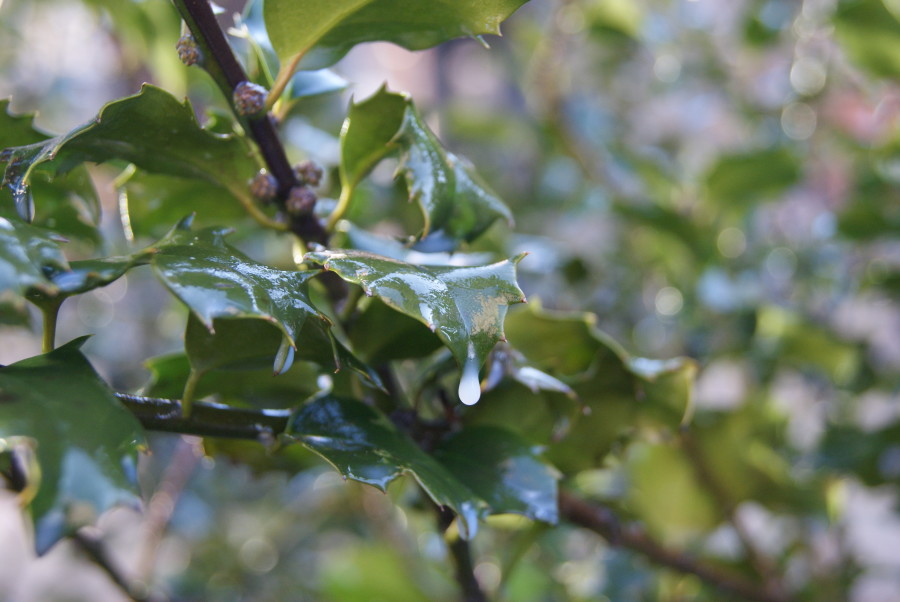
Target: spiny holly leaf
x,y
504,470
215,280
68,203
456,204
617,389
86,443
363,445
33,266
465,307
475,472
333,28
151,129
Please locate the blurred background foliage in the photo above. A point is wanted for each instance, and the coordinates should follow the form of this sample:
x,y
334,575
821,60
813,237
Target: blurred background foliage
x,y
714,180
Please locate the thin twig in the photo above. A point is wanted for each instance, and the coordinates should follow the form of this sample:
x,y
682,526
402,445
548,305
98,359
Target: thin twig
x,y
95,550
227,72
605,523
763,565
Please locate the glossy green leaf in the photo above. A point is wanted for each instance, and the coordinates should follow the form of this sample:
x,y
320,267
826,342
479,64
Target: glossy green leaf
x,y
751,176
870,34
67,203
151,129
330,30
504,470
456,204
86,442
618,391
363,445
464,307
257,387
27,255
216,280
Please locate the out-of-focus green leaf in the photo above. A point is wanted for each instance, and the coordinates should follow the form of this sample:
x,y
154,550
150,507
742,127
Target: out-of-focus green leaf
x,y
464,307
256,387
795,341
869,456
870,33
751,176
363,572
874,210
504,470
324,33
363,445
313,83
456,204
150,203
86,442
618,390
666,494
151,129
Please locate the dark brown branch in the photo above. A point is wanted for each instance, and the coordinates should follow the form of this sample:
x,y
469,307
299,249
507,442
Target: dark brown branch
x,y
763,565
223,66
605,523
462,561
96,551
206,419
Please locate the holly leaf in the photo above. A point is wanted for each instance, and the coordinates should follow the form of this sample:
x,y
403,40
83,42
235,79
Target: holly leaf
x,y
363,445
152,130
504,470
325,32
245,344
68,202
456,204
85,442
256,387
215,280
464,307
27,253
478,471
618,389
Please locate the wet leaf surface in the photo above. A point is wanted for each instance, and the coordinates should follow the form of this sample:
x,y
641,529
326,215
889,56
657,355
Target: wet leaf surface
x,y
85,442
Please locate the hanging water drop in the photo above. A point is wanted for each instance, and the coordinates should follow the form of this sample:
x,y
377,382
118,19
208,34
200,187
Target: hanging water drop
x,y
24,202
285,357
469,385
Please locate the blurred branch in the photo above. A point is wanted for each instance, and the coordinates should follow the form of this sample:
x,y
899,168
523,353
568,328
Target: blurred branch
x,y
206,419
761,563
162,504
605,523
227,72
462,560
95,550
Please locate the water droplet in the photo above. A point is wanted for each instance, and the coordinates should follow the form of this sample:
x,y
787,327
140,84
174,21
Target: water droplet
x,y
469,385
24,202
284,359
